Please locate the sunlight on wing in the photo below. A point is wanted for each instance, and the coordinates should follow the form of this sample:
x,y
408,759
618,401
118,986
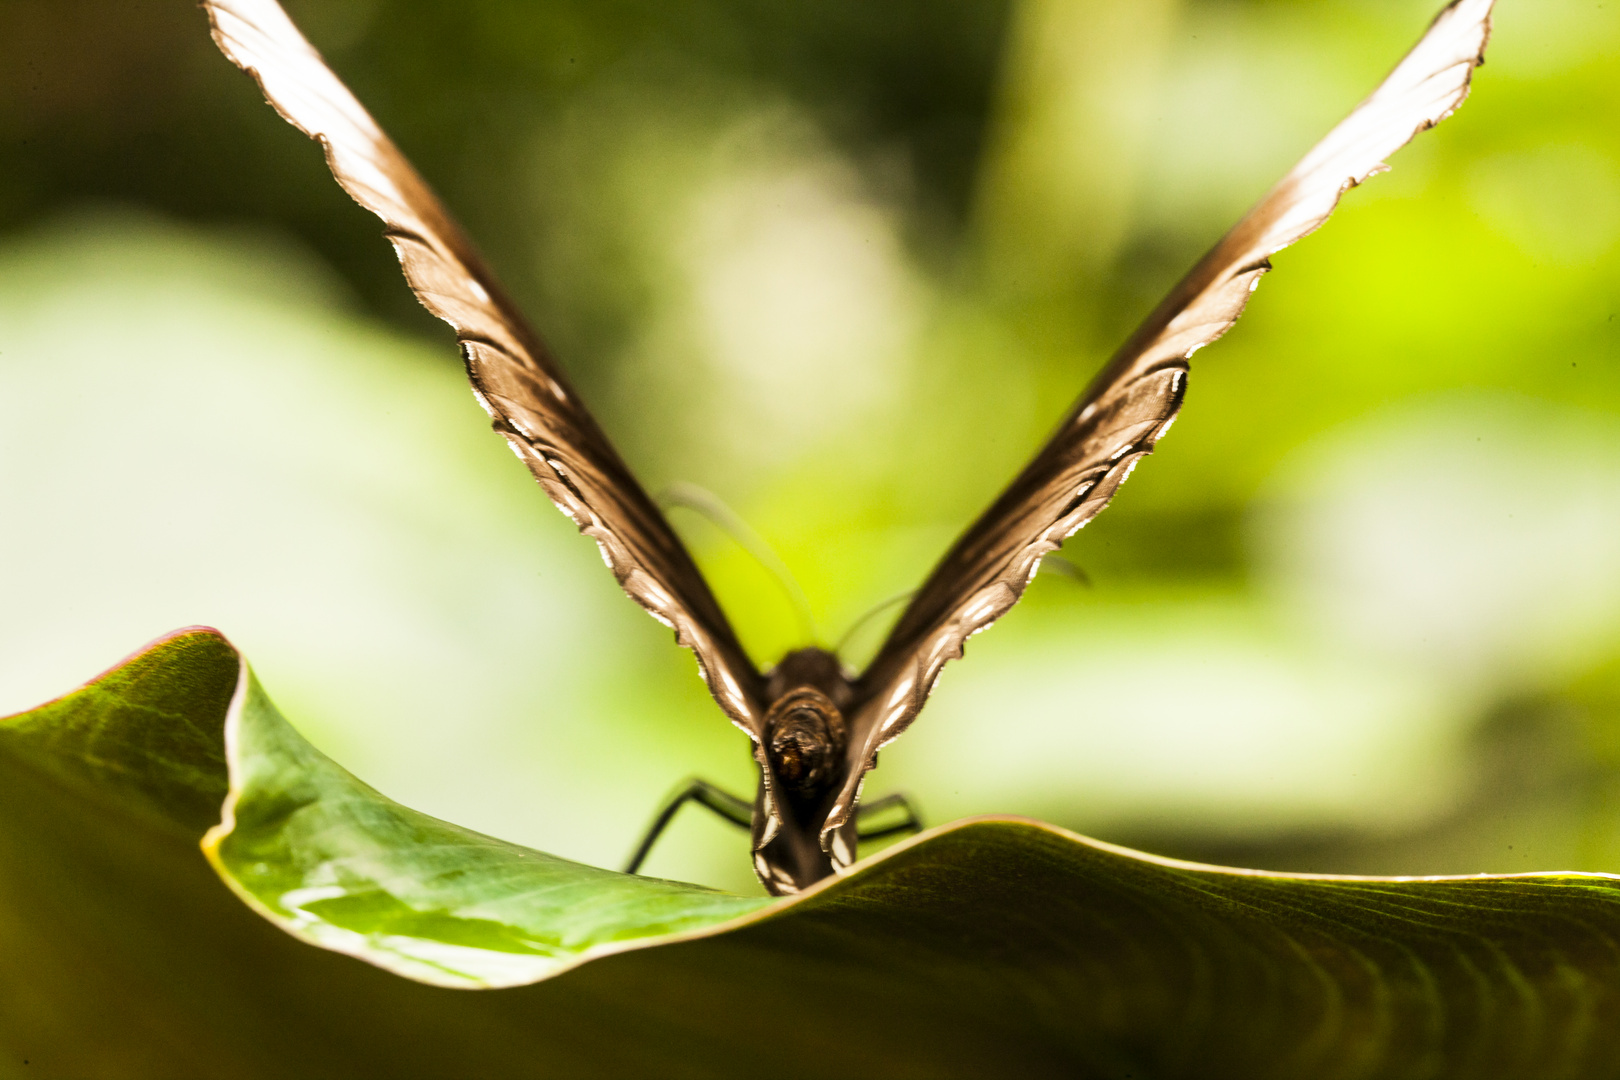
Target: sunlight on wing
x,y
523,390
1129,404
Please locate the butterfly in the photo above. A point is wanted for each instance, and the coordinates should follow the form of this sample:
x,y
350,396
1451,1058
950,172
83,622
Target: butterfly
x,y
815,728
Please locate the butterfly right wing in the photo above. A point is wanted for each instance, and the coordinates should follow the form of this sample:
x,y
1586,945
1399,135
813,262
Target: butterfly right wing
x,y
514,378
1132,402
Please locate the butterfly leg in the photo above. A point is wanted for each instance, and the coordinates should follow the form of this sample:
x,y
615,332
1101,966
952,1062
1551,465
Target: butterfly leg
x,y
912,822
735,810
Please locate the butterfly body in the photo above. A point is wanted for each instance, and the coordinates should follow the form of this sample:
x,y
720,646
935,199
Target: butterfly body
x,y
816,731
806,762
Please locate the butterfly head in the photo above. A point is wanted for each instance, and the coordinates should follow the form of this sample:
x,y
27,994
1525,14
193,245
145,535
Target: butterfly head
x,y
806,736
806,739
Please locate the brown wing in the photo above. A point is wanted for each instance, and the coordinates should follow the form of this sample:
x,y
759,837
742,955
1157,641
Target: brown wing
x,y
1132,402
512,375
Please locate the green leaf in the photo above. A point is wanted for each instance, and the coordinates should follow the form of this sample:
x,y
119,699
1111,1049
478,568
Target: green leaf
x,y
990,947
324,856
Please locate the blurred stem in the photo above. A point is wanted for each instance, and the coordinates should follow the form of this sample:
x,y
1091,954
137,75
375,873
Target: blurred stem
x,y
1055,191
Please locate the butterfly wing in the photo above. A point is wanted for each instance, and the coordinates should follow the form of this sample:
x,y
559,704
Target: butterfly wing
x,y
512,375
1130,405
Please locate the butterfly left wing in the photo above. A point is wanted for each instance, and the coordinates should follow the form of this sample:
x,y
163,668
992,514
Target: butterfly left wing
x,y
1132,402
513,377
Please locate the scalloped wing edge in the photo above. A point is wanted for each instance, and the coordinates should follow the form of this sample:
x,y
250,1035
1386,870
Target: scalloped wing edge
x,y
1429,84
449,279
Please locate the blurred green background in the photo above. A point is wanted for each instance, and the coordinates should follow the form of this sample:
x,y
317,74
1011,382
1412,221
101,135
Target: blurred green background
x,y
845,264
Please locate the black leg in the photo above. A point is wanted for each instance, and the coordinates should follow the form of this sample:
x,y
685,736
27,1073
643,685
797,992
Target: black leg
x,y
912,823
727,805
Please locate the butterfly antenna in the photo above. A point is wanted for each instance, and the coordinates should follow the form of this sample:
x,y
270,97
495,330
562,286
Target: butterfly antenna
x,y
872,613
1057,564
722,517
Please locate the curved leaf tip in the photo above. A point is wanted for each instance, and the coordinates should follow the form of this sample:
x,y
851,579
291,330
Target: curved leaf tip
x,y
327,858
148,730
